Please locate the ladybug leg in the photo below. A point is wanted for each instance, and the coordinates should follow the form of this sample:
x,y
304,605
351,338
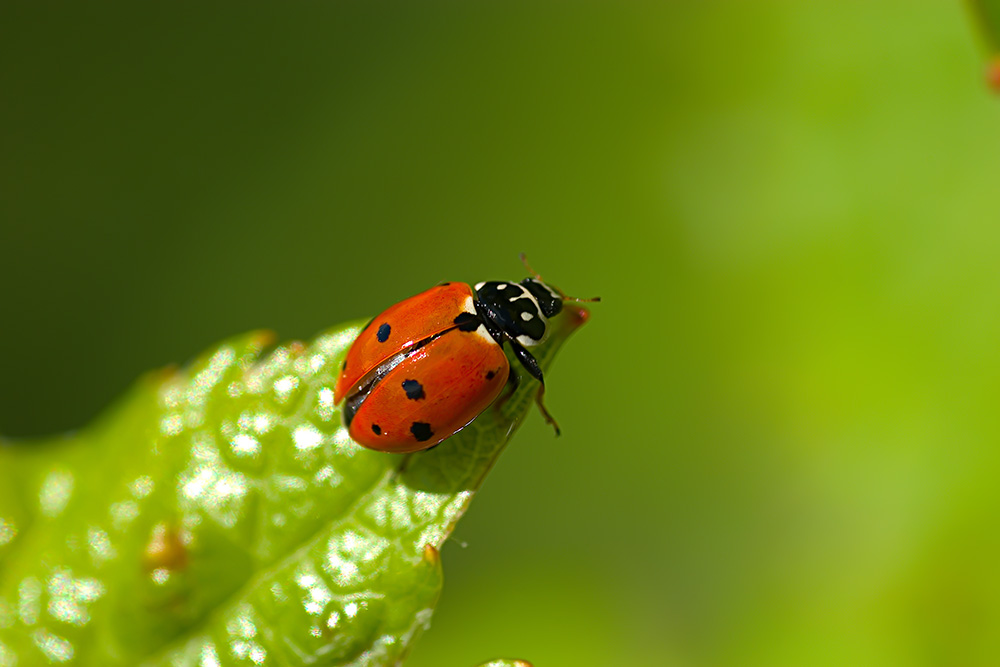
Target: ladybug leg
x,y
513,382
488,317
531,365
541,407
527,360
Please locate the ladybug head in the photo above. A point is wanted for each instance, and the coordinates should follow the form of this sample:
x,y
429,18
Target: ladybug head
x,y
518,310
550,300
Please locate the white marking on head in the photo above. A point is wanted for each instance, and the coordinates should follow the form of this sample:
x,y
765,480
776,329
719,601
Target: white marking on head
x,y
555,294
527,317
502,286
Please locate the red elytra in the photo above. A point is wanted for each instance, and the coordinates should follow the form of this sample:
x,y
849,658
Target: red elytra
x,y
450,381
410,322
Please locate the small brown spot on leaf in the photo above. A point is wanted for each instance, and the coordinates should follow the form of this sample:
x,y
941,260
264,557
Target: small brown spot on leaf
x,y
166,549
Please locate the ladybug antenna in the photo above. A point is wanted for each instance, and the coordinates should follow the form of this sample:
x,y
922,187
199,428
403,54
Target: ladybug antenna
x,y
577,299
538,277
524,260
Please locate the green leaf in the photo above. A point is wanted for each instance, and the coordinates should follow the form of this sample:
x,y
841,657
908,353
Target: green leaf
x,y
220,515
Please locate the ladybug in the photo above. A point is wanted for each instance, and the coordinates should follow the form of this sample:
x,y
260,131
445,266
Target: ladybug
x,y
426,367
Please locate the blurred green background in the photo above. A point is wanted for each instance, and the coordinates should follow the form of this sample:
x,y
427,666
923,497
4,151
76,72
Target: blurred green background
x,y
780,428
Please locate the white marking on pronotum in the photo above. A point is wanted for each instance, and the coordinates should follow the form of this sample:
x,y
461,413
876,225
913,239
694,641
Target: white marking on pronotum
x,y
528,341
527,317
525,294
469,307
481,330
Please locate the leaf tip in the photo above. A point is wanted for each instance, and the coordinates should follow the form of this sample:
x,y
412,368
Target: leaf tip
x,y
572,318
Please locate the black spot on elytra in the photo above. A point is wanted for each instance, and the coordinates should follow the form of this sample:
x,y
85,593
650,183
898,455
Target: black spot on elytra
x,y
490,375
467,322
421,431
414,390
383,333
343,366
376,429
